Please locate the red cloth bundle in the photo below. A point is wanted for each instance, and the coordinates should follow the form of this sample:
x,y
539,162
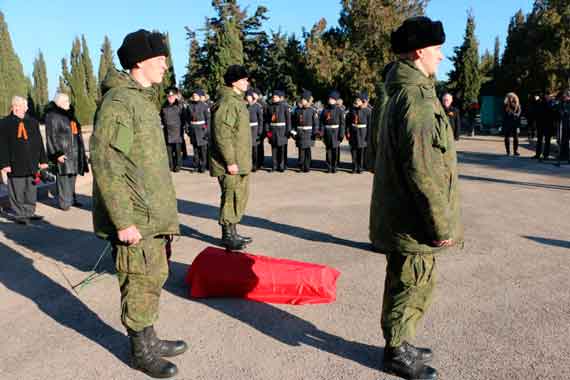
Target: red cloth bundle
x,y
217,273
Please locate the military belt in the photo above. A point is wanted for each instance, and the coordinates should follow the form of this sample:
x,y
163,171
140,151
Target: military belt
x,y
198,122
305,127
278,124
253,124
334,126
359,125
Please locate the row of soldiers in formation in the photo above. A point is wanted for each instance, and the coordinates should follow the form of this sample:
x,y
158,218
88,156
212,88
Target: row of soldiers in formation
x,y
277,122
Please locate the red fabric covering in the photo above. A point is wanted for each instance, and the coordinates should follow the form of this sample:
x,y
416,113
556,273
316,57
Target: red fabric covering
x,y
217,273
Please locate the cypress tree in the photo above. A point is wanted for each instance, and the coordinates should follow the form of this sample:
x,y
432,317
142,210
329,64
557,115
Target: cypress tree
x,y
63,86
195,76
90,81
105,62
79,85
12,78
169,79
39,91
466,77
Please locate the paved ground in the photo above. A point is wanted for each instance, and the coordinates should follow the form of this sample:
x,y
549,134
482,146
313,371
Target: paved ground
x,y
502,309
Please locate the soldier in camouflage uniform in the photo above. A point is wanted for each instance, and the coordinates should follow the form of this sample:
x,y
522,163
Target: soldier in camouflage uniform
x,y
415,212
134,203
230,157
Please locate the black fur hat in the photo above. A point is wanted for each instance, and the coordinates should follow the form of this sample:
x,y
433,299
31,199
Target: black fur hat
x,y
235,73
139,46
417,33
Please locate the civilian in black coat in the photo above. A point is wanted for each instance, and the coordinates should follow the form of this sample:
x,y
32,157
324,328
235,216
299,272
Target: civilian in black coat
x,y
22,154
65,149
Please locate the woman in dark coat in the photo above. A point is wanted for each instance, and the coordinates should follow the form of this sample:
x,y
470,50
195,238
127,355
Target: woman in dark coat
x,y
511,122
65,149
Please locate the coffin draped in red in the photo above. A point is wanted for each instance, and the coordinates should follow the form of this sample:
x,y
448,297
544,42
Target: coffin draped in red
x,y
217,273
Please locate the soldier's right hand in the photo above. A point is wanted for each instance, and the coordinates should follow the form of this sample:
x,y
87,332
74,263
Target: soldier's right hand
x,y
129,235
233,169
442,243
61,159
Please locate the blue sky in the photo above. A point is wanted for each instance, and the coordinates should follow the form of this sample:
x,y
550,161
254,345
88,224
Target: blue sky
x,y
52,25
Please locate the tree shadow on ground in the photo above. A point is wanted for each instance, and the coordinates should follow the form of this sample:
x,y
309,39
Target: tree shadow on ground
x,y
279,324
206,211
551,242
510,163
18,274
515,183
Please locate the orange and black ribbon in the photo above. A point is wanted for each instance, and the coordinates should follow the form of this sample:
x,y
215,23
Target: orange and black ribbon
x,y
73,125
22,133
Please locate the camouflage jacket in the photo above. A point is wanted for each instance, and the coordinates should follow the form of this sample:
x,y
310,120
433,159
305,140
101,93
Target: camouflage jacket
x,y
415,197
231,134
132,184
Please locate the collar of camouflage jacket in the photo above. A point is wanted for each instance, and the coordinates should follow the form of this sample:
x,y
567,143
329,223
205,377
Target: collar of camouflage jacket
x,y
115,78
229,92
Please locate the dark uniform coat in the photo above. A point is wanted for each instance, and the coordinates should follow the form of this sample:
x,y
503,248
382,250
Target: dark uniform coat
x,y
256,122
357,127
305,126
63,135
278,122
21,145
199,120
332,126
173,122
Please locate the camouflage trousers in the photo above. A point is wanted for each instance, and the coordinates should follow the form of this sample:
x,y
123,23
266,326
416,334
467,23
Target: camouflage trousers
x,y
235,193
408,293
142,271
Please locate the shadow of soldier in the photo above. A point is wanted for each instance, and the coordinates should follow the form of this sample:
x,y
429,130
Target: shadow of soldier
x,y
206,211
278,324
19,275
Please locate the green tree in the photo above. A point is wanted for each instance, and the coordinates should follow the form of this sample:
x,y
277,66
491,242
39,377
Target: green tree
x,y
228,47
39,90
465,78
12,78
90,80
105,62
81,87
196,74
63,87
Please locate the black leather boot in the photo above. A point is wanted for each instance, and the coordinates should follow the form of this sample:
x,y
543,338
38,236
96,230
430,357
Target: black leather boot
x,y
402,361
422,354
164,348
229,240
245,239
146,360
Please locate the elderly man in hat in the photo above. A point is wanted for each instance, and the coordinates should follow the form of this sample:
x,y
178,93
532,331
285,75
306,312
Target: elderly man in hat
x,y
357,127
172,116
278,128
230,156
332,130
199,128
22,154
305,127
415,211
134,202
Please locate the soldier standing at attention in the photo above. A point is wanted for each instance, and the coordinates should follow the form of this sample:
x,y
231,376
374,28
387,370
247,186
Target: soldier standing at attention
x,y
305,127
199,129
256,123
230,157
134,203
278,127
415,212
172,117
260,147
332,130
357,126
